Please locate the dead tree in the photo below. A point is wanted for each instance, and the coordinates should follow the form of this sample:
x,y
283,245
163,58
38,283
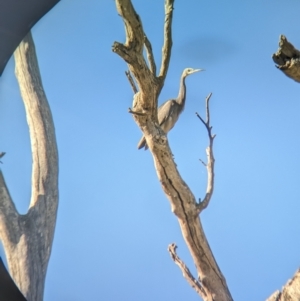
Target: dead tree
x,y
210,283
27,239
287,59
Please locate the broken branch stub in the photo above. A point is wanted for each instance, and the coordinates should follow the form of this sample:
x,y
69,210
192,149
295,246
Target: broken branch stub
x,y
287,59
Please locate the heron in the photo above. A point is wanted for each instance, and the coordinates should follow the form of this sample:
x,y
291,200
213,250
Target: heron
x,y
168,113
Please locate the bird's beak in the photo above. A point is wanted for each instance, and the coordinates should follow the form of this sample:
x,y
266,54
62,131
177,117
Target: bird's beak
x,y
198,70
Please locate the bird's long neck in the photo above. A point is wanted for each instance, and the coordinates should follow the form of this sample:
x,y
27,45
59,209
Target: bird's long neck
x,y
182,92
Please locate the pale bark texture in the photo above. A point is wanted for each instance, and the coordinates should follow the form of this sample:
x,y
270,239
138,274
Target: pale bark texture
x,y
27,239
287,59
290,292
211,284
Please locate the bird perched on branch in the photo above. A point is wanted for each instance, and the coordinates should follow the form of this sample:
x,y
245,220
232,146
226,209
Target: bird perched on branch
x,y
168,113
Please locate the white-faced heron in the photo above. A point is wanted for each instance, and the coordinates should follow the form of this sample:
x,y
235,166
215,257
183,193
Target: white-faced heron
x,y
168,113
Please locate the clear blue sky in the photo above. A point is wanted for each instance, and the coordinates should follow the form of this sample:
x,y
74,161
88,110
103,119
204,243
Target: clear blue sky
x,y
114,223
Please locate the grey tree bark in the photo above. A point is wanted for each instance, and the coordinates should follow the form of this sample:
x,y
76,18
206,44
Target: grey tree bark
x,y
27,239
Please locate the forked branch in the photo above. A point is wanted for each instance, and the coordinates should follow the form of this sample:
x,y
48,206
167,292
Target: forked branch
x,y
167,47
182,200
133,25
210,158
194,283
27,239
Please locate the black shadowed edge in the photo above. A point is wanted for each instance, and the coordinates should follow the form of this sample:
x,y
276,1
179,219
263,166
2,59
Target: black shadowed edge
x,y
8,289
17,17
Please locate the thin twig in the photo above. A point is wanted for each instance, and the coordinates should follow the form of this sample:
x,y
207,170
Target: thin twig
x,y
195,284
131,81
202,162
207,108
166,50
150,56
201,119
1,155
210,159
135,113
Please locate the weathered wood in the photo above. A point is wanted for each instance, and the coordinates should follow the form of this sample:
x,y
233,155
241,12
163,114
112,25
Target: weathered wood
x,y
183,202
287,59
27,239
290,292
210,165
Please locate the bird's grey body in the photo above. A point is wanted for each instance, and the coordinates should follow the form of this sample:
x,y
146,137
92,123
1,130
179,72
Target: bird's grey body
x,y
168,113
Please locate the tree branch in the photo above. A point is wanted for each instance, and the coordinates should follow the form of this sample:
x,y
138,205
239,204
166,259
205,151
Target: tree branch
x,y
132,52
9,216
210,165
150,56
287,59
133,25
41,128
167,47
27,239
195,284
182,200
1,155
131,81
123,52
291,291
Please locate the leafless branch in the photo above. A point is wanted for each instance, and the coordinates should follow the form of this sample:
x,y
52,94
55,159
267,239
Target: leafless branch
x,y
123,52
287,59
166,50
195,284
132,50
183,202
9,216
207,108
202,162
150,56
1,155
290,292
210,159
133,25
135,113
131,81
27,239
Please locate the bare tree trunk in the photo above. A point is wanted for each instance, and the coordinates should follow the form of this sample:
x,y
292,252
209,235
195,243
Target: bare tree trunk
x,y
211,284
27,239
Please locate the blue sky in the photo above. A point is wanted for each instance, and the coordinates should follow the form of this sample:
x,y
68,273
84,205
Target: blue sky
x,y
114,223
